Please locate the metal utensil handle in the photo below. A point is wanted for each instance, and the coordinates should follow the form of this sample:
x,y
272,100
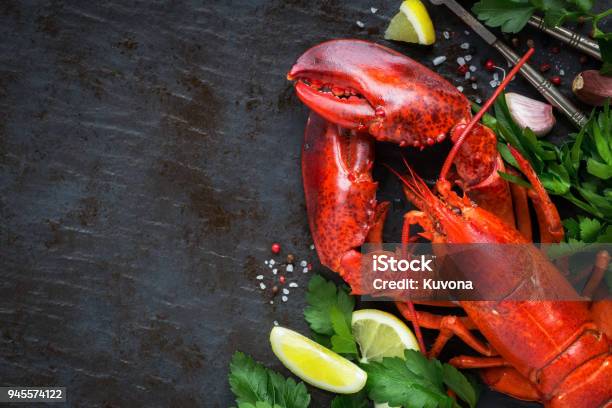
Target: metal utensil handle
x,y
573,39
544,87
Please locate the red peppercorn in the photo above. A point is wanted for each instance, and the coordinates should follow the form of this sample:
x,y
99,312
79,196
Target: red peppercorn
x,y
463,69
490,65
556,80
544,67
276,248
309,266
281,279
555,50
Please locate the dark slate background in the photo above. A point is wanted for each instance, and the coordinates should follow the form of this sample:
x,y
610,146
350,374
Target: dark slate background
x,y
149,155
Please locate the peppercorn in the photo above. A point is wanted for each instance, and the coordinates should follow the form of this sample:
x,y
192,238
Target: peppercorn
x,y
276,248
290,258
490,65
530,43
556,80
544,67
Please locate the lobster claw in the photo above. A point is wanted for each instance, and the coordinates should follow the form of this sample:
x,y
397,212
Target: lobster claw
x,y
340,195
365,86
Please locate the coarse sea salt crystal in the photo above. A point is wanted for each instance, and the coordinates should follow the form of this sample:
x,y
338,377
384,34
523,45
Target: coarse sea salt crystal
x,y
468,75
312,247
272,262
266,262
473,68
461,61
303,264
274,271
359,24
468,58
285,298
478,100
467,32
262,286
465,46
271,302
289,268
496,76
275,323
446,35
438,60
373,10
460,88
493,83
305,270
474,86
561,72
285,291
259,277
293,285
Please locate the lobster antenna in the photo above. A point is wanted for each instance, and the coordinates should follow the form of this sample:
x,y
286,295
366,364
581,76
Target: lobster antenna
x,y
481,112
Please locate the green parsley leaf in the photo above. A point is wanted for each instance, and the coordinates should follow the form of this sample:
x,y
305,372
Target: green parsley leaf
x,y
416,382
572,228
329,314
258,404
343,341
358,400
254,384
459,384
589,229
510,15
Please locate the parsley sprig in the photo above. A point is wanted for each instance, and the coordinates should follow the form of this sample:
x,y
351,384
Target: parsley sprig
x,y
579,171
329,314
415,382
512,15
411,382
256,386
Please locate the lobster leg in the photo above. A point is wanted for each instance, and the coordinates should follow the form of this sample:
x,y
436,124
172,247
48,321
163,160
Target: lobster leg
x,y
602,261
551,228
509,381
520,200
448,326
498,374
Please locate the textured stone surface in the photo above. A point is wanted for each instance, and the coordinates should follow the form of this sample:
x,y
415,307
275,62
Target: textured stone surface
x,y
149,155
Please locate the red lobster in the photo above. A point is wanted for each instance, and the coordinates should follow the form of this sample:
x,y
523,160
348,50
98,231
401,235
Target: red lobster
x,y
556,352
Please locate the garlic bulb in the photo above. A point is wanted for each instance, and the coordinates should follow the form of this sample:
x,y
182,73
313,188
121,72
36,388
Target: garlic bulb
x,y
527,112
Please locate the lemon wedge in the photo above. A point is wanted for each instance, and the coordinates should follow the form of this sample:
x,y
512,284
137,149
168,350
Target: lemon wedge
x,y
315,364
380,334
411,24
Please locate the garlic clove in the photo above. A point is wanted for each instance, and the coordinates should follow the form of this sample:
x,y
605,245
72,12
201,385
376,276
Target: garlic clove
x,y
527,112
592,88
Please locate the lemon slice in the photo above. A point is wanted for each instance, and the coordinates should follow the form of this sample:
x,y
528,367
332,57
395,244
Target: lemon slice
x,y
412,24
316,364
380,334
